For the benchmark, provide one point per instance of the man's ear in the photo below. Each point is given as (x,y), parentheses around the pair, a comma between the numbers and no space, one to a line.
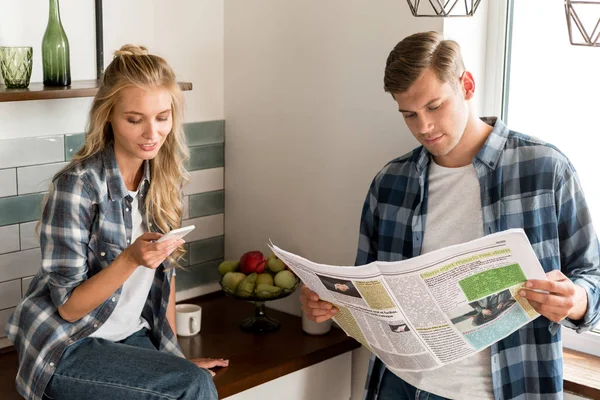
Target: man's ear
(467,85)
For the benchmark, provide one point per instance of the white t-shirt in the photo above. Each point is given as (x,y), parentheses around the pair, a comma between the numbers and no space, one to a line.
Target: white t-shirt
(454,216)
(126,318)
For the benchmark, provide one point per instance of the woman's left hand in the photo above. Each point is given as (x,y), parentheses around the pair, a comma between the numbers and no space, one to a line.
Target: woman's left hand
(208,363)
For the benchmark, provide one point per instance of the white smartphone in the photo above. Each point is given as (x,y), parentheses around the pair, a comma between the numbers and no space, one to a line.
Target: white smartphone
(176,233)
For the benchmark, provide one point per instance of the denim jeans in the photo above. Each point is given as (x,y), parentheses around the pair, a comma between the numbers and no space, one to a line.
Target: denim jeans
(394,388)
(132,369)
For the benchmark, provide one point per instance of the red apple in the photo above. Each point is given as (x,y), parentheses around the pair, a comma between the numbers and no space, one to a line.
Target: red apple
(253,261)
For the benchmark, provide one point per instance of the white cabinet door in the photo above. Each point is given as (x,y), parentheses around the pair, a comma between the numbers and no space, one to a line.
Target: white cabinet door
(328,380)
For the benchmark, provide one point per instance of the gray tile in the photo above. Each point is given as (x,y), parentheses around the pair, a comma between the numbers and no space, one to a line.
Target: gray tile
(37,178)
(10,293)
(20,264)
(73,143)
(207,204)
(25,282)
(204,157)
(207,250)
(185,260)
(16,209)
(208,132)
(31,151)
(186,207)
(29,239)
(9,238)
(4,315)
(197,275)
(8,181)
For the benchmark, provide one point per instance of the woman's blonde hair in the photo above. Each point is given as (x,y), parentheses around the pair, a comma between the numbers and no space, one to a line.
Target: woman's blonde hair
(419,52)
(133,66)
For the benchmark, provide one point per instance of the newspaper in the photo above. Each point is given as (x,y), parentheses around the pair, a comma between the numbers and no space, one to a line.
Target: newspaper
(428,311)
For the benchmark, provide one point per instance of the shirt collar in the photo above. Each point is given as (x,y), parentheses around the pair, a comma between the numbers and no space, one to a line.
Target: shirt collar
(116,186)
(489,154)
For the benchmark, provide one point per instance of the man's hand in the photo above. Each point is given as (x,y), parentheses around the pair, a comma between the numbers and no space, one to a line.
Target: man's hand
(486,312)
(315,310)
(564,298)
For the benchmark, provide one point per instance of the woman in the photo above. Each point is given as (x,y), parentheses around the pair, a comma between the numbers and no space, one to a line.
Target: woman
(98,320)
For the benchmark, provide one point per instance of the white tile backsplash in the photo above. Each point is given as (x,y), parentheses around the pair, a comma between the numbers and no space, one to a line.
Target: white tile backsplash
(20,264)
(10,293)
(9,238)
(4,315)
(25,282)
(8,182)
(206,227)
(32,151)
(204,180)
(29,239)
(36,178)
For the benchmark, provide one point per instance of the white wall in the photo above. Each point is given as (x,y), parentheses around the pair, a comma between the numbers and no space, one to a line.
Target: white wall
(308,124)
(471,34)
(189,34)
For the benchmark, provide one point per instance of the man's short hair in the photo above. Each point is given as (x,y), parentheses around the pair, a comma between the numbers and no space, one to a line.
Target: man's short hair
(416,54)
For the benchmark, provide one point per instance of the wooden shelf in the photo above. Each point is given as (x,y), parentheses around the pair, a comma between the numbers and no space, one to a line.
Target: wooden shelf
(37,91)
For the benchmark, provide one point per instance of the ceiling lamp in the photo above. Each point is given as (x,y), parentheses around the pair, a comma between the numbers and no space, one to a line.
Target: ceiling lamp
(583,20)
(443,8)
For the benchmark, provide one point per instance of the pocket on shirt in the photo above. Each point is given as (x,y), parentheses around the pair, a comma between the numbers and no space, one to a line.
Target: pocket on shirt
(536,214)
(102,253)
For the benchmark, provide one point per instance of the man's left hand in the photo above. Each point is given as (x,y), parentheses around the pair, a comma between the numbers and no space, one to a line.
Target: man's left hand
(563,300)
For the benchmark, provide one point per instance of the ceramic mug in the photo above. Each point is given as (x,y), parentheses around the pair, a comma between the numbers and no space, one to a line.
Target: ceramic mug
(188,318)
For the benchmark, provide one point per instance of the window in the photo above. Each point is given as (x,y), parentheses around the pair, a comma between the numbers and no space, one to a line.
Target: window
(550,90)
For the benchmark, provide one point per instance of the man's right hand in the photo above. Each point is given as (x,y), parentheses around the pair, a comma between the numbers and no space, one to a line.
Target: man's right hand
(316,310)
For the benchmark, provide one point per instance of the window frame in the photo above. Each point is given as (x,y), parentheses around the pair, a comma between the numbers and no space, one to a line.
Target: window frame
(495,103)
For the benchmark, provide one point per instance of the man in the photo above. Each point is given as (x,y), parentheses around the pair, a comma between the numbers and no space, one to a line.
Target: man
(470,178)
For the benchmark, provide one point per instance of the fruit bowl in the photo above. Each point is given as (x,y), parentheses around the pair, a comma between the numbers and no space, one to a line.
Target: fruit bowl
(264,284)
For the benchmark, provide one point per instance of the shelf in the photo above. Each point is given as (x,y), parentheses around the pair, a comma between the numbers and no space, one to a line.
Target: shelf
(37,91)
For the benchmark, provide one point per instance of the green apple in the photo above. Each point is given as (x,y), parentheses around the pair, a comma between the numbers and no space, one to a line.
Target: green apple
(231,280)
(264,279)
(228,266)
(285,279)
(275,265)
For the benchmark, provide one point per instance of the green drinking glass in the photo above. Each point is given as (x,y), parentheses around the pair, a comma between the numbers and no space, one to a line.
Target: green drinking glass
(15,64)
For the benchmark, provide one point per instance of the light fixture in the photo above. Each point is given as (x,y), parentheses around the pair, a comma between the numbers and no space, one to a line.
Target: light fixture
(583,21)
(443,8)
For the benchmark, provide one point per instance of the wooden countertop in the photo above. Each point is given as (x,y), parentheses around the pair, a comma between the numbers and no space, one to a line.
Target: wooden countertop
(253,359)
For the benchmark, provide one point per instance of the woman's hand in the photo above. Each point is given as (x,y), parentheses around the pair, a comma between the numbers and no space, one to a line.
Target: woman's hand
(208,363)
(145,251)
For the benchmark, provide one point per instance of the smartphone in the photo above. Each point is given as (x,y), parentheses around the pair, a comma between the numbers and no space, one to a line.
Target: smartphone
(176,233)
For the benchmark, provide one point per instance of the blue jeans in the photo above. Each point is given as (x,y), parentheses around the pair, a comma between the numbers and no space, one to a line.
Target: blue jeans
(133,369)
(394,388)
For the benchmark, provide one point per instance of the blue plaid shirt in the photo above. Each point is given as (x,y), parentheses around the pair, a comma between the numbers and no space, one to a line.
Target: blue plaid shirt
(86,223)
(525,183)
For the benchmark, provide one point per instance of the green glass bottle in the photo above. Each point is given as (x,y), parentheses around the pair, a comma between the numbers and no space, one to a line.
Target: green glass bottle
(55,50)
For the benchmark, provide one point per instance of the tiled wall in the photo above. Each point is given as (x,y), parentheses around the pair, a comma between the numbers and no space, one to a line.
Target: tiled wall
(26,168)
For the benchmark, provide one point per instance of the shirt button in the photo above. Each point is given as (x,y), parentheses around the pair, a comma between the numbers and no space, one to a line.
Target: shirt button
(128,241)
(52,364)
(102,254)
(95,325)
(113,299)
(127,209)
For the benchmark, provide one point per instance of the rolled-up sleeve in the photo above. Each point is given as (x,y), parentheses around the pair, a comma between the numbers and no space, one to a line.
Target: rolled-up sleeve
(579,249)
(64,236)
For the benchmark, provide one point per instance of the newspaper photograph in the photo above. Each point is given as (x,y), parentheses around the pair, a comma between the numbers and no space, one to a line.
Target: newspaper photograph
(428,311)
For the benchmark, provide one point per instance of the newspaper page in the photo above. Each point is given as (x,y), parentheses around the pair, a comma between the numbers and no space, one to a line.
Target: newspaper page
(428,311)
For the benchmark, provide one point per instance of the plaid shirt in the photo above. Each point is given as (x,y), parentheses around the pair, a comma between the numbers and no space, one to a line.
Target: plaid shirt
(85,226)
(525,183)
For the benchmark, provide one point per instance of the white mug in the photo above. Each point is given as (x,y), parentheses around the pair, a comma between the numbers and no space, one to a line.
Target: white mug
(315,328)
(188,319)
